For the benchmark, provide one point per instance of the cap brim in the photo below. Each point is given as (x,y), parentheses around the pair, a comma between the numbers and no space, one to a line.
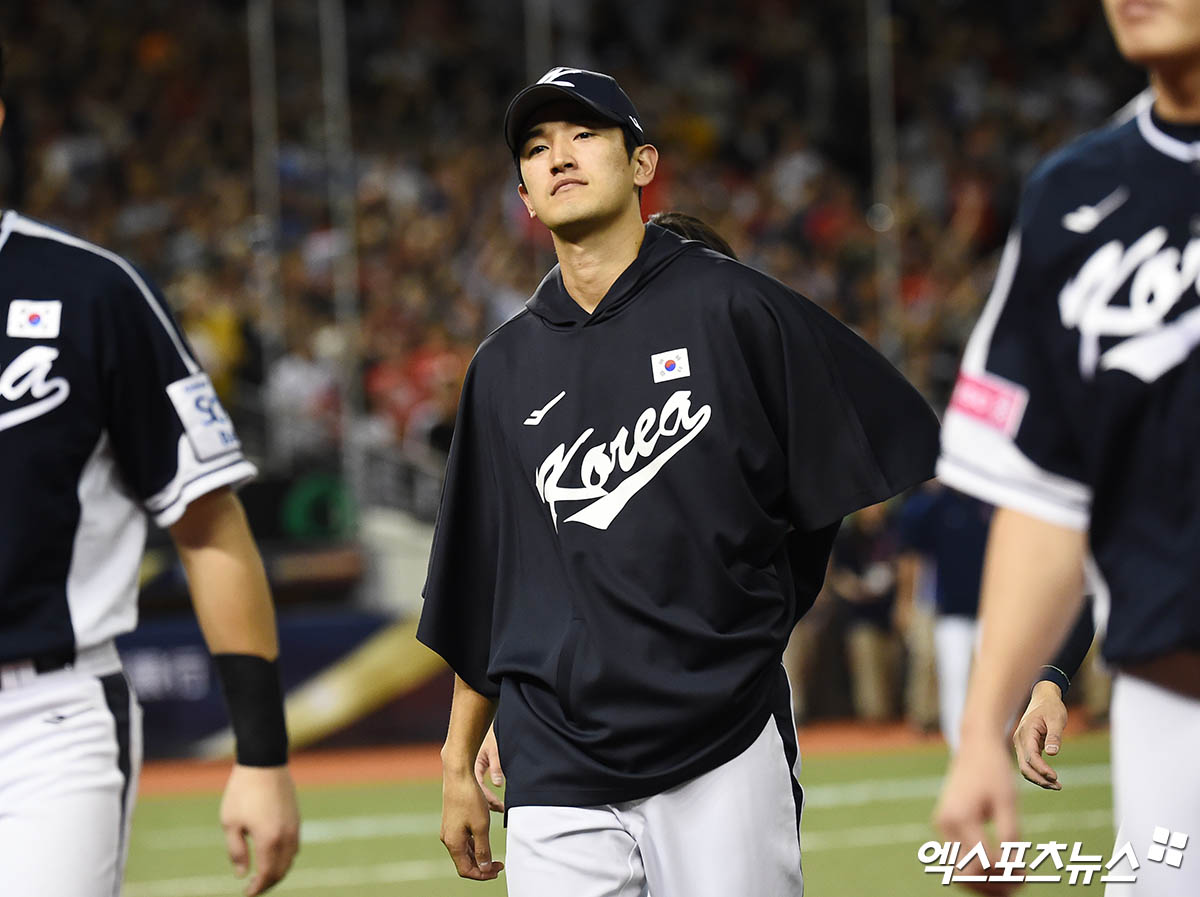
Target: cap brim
(532,98)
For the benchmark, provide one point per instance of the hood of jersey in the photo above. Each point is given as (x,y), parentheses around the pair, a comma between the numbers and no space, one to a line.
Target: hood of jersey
(553,304)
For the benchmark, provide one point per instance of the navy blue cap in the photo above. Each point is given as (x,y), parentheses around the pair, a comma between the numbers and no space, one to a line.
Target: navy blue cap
(599,92)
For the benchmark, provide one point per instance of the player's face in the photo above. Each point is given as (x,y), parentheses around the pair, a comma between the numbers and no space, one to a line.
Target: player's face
(577,172)
(1154,32)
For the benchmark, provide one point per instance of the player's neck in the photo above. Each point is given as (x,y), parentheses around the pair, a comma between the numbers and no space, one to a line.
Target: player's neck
(1177,91)
(591,262)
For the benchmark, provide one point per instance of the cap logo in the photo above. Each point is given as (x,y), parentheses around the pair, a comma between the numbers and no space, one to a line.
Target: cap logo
(553,76)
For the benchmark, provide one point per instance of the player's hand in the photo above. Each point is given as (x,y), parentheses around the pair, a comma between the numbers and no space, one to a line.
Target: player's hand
(1041,728)
(979,788)
(259,807)
(465,824)
(489,759)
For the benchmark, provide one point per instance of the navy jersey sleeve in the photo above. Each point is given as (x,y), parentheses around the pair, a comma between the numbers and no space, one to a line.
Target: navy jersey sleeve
(456,620)
(172,439)
(1008,436)
(854,431)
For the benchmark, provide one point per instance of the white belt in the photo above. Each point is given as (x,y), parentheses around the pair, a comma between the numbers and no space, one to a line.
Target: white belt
(97,660)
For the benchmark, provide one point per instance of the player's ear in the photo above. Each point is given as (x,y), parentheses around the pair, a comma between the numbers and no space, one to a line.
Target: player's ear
(524,194)
(645,164)
(1,113)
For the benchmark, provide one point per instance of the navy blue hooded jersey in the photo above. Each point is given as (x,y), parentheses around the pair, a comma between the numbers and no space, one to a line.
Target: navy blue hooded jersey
(1078,393)
(105,418)
(638,505)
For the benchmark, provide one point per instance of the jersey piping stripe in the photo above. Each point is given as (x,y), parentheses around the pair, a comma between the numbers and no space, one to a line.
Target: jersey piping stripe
(1164,143)
(1005,492)
(975,355)
(29,228)
(161,508)
(6,225)
(117,697)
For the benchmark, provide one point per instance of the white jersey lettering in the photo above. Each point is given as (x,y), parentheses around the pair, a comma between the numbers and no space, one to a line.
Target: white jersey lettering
(27,375)
(624,450)
(1160,275)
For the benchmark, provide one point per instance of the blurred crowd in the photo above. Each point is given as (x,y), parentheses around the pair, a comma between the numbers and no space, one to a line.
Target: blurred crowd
(129,123)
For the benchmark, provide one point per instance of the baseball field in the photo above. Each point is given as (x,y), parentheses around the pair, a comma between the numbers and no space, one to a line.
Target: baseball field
(371,821)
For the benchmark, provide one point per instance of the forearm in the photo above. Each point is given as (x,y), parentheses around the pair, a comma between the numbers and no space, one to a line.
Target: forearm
(470,715)
(1032,591)
(1066,663)
(226,578)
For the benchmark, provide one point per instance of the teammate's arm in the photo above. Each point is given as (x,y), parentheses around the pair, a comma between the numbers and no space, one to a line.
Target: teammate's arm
(1032,590)
(465,818)
(487,765)
(233,605)
(1041,727)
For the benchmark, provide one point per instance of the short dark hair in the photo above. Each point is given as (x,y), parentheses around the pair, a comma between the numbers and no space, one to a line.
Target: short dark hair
(1,65)
(692,228)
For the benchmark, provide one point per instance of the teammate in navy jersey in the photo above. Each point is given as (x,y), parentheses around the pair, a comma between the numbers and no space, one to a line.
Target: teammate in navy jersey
(1075,414)
(648,469)
(105,419)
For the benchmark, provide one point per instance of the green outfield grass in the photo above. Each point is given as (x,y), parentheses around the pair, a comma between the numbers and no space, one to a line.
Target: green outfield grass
(866,816)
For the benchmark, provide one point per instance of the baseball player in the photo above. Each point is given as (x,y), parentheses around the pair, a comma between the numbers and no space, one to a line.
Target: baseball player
(1075,414)
(609,565)
(105,419)
(948,530)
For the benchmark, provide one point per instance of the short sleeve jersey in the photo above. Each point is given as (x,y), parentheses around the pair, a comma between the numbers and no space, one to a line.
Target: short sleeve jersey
(1076,400)
(105,419)
(638,505)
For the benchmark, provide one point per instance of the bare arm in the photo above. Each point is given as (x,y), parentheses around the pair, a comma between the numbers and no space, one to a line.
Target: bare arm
(1030,596)
(233,605)
(226,576)
(465,819)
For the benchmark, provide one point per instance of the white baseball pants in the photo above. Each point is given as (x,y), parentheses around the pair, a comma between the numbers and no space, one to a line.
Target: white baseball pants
(955,638)
(1156,786)
(731,831)
(70,753)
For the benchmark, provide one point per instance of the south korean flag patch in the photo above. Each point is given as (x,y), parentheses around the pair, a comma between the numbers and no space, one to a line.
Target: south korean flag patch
(34,319)
(671,365)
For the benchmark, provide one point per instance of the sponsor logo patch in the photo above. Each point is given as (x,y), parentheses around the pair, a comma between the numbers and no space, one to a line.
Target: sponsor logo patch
(208,427)
(991,400)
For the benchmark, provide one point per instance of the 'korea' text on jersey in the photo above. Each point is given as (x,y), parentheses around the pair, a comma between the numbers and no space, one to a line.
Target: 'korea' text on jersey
(1079,392)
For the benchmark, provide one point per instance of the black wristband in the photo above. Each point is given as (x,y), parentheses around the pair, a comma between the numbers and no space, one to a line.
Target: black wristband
(1053,674)
(255,701)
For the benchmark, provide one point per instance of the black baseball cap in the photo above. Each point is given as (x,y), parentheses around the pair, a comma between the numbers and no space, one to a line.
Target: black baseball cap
(598,92)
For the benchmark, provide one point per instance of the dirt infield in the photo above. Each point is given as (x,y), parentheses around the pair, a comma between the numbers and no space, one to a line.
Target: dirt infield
(411,762)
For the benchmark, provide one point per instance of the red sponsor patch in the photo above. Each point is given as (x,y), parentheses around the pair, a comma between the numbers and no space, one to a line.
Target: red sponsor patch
(990,400)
